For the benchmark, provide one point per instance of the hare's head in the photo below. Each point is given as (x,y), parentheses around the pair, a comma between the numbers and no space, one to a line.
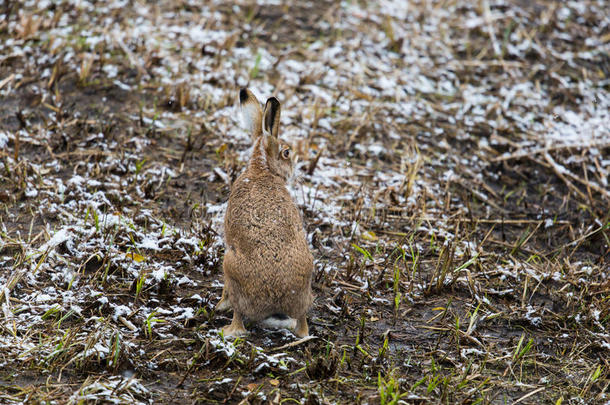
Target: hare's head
(269,151)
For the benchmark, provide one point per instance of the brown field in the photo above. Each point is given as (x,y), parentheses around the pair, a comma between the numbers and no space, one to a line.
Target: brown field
(453,179)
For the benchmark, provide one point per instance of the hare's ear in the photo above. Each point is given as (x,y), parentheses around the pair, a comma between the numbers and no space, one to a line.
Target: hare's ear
(271,117)
(251,112)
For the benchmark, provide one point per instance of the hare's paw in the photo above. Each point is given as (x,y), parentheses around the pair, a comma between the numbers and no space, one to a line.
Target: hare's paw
(301,329)
(233,330)
(224,304)
(236,328)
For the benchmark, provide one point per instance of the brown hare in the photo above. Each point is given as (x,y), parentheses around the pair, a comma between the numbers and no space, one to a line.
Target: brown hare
(267,264)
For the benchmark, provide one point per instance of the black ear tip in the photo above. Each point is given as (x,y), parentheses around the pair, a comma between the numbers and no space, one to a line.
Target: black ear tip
(273,101)
(243,95)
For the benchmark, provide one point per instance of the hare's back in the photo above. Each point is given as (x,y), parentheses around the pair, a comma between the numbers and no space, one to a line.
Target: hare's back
(262,212)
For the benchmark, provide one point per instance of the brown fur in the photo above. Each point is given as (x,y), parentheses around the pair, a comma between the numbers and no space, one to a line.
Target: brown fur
(267,264)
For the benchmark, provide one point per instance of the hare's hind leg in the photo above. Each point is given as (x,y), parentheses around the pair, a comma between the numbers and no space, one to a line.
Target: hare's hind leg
(236,328)
(301,329)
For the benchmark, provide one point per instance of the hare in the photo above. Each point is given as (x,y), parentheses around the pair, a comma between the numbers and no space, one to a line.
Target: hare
(267,265)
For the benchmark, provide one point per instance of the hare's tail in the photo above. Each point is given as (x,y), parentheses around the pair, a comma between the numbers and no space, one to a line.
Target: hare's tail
(279,321)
